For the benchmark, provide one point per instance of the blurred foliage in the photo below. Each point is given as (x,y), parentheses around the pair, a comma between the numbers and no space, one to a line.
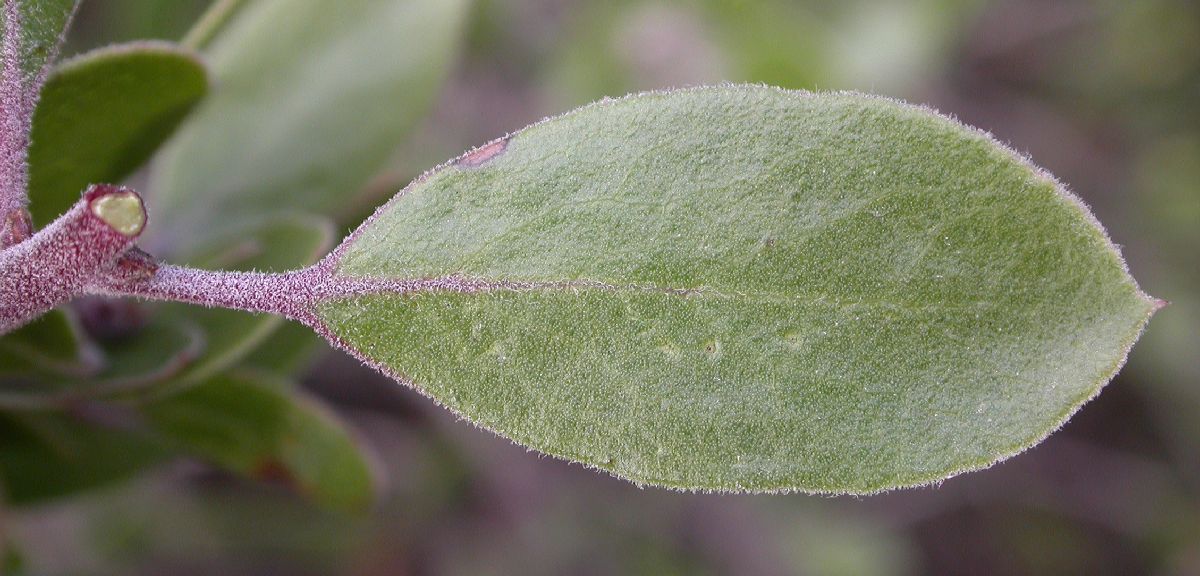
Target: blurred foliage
(1100,92)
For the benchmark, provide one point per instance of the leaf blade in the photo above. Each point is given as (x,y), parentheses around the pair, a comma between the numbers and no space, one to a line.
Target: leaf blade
(866,271)
(50,455)
(294,80)
(257,427)
(102,115)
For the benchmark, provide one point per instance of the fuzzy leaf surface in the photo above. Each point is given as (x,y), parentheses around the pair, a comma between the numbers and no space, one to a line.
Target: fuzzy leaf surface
(744,288)
(102,115)
(323,91)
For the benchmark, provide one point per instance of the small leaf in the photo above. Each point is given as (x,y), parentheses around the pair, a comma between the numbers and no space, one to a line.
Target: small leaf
(265,430)
(745,288)
(50,455)
(102,114)
(325,91)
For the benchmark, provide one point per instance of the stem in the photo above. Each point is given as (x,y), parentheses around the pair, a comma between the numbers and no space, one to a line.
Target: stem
(289,294)
(210,23)
(54,265)
(14,117)
(19,93)
(293,295)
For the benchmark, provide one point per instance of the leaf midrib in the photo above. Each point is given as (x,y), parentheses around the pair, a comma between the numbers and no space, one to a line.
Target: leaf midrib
(370,286)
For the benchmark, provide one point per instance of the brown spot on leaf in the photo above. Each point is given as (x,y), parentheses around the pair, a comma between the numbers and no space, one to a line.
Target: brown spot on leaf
(712,348)
(484,154)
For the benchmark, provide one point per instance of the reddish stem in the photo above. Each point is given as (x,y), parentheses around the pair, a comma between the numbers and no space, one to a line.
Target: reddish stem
(288,294)
(53,266)
(14,117)
(294,295)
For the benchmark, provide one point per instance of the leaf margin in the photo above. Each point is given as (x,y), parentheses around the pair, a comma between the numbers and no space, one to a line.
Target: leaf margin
(332,263)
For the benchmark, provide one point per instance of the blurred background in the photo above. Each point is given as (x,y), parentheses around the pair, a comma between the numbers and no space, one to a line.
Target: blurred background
(1102,93)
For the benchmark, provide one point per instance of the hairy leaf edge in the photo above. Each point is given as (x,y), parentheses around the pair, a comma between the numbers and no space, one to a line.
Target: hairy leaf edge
(481,154)
(163,47)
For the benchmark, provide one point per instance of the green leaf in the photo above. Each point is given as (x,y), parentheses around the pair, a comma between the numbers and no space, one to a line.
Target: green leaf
(324,91)
(159,351)
(42,23)
(266,430)
(102,115)
(52,343)
(291,349)
(49,455)
(746,288)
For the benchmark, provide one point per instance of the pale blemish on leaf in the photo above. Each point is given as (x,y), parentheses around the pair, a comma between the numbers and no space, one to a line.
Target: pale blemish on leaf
(484,154)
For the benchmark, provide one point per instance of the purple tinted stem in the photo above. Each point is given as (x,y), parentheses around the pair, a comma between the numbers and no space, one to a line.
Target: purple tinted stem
(288,294)
(15,115)
(54,265)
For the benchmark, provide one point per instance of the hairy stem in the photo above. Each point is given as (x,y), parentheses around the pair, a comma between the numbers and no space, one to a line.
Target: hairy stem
(20,87)
(288,294)
(294,295)
(14,118)
(54,265)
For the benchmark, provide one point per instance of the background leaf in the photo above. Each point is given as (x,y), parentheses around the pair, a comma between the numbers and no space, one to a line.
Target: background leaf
(48,455)
(293,81)
(624,46)
(158,350)
(264,429)
(744,288)
(52,343)
(102,114)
